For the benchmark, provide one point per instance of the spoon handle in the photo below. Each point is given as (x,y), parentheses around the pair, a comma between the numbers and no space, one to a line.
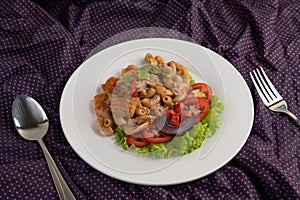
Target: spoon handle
(61,186)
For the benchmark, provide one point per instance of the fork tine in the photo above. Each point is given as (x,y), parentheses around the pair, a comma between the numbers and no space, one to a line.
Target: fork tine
(260,93)
(261,87)
(273,89)
(263,79)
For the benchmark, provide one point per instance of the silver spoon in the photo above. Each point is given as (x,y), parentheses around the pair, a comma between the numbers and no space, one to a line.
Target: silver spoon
(32,124)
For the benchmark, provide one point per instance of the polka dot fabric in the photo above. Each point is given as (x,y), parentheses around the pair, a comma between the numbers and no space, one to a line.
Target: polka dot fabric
(43,42)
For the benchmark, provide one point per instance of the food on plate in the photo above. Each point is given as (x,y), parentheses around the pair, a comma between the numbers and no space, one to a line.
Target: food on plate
(157,109)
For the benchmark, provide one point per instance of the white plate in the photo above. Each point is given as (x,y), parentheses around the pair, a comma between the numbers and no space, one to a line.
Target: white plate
(104,155)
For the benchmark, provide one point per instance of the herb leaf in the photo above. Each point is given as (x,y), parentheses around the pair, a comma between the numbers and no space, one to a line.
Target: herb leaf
(157,71)
(143,72)
(125,78)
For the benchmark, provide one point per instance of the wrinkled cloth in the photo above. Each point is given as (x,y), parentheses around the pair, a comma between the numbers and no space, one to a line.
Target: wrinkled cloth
(43,42)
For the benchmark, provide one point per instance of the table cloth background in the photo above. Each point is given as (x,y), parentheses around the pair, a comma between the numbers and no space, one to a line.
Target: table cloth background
(42,42)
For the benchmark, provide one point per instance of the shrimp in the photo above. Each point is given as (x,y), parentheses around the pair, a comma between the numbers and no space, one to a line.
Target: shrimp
(101,103)
(105,121)
(110,84)
(129,68)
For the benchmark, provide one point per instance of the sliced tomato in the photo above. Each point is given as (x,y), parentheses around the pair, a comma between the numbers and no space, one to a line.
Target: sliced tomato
(203,89)
(151,137)
(203,105)
(137,141)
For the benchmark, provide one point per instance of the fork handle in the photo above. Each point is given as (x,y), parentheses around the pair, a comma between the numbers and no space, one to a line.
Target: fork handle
(293,116)
(282,107)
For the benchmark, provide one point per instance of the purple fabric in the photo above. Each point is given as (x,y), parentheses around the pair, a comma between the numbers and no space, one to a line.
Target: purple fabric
(43,42)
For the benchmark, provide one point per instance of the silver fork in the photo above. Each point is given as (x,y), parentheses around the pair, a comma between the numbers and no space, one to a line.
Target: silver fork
(269,95)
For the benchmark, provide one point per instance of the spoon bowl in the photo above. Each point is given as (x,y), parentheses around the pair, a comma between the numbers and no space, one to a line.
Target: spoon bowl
(29,117)
(32,123)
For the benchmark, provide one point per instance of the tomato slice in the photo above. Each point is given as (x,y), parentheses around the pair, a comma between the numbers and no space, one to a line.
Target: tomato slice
(203,88)
(151,137)
(137,141)
(203,105)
